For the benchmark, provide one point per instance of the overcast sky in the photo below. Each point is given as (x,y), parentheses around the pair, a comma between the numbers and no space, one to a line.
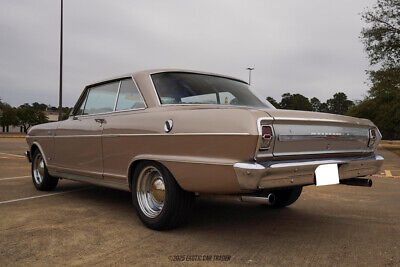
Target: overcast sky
(307,47)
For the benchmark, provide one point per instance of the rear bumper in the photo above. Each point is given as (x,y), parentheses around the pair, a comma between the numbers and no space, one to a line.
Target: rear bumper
(275,174)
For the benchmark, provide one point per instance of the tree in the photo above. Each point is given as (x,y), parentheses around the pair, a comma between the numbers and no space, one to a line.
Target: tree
(28,116)
(296,102)
(383,104)
(38,106)
(339,104)
(8,115)
(273,102)
(316,104)
(381,36)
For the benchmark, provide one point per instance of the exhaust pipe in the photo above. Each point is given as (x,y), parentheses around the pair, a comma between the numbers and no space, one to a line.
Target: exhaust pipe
(268,200)
(357,182)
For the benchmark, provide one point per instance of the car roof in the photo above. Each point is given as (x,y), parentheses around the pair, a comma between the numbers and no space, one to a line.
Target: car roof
(153,71)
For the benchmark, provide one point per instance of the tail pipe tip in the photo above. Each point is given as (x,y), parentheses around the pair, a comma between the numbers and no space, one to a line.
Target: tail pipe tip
(357,182)
(268,200)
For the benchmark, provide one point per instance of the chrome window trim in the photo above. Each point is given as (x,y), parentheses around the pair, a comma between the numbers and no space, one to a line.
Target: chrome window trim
(117,95)
(110,112)
(114,111)
(85,101)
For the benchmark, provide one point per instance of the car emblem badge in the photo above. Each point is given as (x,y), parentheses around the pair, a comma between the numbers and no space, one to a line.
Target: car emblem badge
(168,126)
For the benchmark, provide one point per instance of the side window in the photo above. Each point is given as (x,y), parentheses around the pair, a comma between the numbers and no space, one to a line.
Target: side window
(129,96)
(101,98)
(79,111)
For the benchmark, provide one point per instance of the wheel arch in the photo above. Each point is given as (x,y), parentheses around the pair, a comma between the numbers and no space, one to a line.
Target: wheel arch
(36,146)
(137,160)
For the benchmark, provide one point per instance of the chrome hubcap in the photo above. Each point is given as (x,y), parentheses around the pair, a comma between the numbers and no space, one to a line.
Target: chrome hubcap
(38,169)
(150,191)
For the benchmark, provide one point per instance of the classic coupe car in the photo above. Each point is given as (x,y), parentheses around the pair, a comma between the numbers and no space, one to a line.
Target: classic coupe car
(169,135)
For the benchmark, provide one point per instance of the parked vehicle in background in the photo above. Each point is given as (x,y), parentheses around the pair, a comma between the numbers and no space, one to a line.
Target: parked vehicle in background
(165,135)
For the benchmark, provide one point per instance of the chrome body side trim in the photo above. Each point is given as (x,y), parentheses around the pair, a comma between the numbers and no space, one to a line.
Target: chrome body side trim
(150,134)
(91,180)
(279,174)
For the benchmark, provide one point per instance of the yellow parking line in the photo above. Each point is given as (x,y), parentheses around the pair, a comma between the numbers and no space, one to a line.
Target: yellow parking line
(388,173)
(12,155)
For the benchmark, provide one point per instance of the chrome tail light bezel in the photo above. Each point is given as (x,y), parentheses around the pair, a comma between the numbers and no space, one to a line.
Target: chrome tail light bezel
(266,138)
(372,137)
(265,150)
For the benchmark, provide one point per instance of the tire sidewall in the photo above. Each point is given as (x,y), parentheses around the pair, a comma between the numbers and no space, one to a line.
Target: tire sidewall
(162,217)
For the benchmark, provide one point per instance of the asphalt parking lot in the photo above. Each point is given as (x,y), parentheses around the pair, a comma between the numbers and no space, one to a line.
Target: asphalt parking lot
(79,224)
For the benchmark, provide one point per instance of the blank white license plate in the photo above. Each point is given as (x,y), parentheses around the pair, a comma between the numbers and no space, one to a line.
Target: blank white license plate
(327,174)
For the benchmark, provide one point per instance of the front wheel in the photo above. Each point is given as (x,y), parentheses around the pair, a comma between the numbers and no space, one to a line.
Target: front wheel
(159,201)
(42,180)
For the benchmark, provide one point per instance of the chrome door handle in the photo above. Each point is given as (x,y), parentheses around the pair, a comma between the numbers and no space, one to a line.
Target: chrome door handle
(100,121)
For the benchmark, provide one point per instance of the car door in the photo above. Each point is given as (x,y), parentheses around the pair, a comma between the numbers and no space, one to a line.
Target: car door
(78,140)
(122,132)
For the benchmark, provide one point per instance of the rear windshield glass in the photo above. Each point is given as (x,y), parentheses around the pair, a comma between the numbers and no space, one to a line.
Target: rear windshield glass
(193,88)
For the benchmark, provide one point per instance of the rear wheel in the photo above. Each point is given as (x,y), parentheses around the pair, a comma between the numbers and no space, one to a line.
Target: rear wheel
(41,178)
(286,197)
(158,199)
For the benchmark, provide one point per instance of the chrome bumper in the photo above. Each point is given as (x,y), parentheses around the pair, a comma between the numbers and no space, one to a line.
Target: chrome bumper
(275,174)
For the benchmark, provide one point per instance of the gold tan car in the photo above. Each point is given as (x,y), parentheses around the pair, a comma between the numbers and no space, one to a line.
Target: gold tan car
(168,135)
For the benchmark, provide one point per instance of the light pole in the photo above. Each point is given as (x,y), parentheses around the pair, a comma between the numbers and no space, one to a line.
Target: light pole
(250,69)
(61,64)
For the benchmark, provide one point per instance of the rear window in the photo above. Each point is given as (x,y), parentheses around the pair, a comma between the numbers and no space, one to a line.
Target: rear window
(192,88)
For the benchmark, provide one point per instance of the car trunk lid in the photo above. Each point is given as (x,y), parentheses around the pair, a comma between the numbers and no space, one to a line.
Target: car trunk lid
(300,133)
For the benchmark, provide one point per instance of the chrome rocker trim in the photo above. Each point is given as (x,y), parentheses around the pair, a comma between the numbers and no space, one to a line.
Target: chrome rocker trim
(275,174)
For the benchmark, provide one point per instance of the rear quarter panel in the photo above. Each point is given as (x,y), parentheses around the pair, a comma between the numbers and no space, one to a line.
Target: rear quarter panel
(199,151)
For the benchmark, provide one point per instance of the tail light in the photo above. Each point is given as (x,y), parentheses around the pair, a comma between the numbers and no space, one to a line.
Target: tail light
(266,136)
(372,137)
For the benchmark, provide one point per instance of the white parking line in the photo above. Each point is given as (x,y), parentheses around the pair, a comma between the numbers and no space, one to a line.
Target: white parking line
(47,195)
(15,155)
(11,178)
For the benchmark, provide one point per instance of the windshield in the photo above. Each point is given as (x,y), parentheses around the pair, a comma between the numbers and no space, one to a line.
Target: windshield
(193,88)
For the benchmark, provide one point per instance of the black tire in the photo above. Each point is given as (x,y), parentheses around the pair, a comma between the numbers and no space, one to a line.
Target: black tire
(286,197)
(46,182)
(177,203)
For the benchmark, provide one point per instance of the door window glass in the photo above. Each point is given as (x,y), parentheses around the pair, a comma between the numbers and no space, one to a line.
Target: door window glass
(129,96)
(101,98)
